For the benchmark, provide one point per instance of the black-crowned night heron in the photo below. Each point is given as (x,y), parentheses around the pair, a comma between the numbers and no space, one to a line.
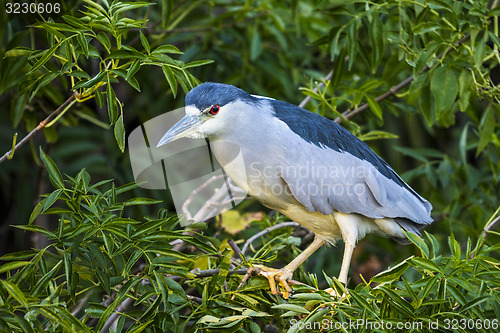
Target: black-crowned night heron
(305,166)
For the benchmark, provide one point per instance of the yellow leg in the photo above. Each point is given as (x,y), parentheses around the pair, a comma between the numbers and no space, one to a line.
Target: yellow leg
(346,262)
(283,275)
(348,225)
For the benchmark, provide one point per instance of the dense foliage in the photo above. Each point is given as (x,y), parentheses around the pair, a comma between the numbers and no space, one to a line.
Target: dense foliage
(98,253)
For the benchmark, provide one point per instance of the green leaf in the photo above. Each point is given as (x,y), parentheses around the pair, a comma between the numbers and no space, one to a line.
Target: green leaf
(338,70)
(377,40)
(144,42)
(41,82)
(419,242)
(169,75)
(17,109)
(207,319)
(12,265)
(122,7)
(171,49)
(307,297)
(80,73)
(42,284)
(392,274)
(15,292)
(480,50)
(103,38)
(54,173)
(134,83)
(18,52)
(90,83)
(352,39)
(36,228)
(112,103)
(120,133)
(141,201)
(401,305)
(52,29)
(76,22)
(197,63)
(291,307)
(99,97)
(425,263)
(166,12)
(444,87)
(96,6)
(37,211)
(255,44)
(51,199)
(133,69)
(126,54)
(465,82)
(486,129)
(83,44)
(374,106)
(68,271)
(45,57)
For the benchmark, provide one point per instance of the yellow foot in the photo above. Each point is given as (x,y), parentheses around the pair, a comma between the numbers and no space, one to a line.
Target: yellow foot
(273,275)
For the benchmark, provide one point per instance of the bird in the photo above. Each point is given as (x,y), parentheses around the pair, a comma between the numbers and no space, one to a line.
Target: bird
(304,165)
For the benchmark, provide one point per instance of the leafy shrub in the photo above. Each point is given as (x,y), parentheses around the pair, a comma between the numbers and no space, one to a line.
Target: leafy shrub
(104,268)
(423,71)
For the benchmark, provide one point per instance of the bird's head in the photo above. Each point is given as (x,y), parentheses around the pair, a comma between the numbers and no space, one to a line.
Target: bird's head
(211,108)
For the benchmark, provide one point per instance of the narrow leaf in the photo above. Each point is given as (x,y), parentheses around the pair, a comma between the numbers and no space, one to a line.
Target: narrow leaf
(197,63)
(144,42)
(486,129)
(120,133)
(15,292)
(169,75)
(54,173)
(46,56)
(167,49)
(112,104)
(444,87)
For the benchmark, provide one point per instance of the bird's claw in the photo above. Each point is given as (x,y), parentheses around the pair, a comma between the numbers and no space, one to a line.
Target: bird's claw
(282,276)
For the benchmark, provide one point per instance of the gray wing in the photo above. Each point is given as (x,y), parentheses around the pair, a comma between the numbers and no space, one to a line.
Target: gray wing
(325,180)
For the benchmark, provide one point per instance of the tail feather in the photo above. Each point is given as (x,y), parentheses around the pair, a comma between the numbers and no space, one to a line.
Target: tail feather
(409,226)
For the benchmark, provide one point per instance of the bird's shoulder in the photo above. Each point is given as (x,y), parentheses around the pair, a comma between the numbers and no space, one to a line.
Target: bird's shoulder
(324,132)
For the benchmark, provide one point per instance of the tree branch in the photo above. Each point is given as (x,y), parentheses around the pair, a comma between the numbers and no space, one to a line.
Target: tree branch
(352,113)
(321,84)
(42,124)
(266,231)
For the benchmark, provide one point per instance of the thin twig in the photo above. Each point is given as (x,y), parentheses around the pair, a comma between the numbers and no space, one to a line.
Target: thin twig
(249,272)
(235,248)
(320,85)
(489,226)
(265,231)
(212,272)
(42,124)
(116,314)
(194,299)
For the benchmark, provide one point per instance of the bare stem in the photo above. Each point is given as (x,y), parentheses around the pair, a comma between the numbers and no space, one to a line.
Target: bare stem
(321,84)
(266,231)
(42,124)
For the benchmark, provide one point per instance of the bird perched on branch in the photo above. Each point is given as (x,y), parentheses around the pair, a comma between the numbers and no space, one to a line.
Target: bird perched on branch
(306,166)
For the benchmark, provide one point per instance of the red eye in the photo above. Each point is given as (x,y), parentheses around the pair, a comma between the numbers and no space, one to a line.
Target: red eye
(215,109)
